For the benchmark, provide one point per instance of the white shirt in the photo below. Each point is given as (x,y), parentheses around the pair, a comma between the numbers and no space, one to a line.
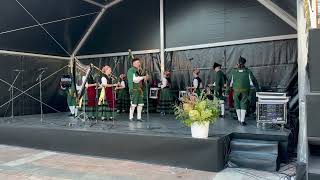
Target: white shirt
(164,83)
(137,79)
(195,83)
(123,84)
(104,81)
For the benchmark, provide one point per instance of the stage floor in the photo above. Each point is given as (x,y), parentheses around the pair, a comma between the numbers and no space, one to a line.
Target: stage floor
(162,140)
(157,125)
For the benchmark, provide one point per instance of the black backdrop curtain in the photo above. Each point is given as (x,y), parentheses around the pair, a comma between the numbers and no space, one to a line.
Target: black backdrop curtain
(273,63)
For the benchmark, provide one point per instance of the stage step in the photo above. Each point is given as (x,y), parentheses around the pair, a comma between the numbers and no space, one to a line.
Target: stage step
(254,154)
(314,167)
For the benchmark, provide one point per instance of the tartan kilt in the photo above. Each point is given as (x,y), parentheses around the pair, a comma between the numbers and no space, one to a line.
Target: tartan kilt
(87,106)
(123,100)
(104,110)
(166,101)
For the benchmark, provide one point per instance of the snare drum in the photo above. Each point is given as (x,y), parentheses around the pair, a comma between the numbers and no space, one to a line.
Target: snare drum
(154,93)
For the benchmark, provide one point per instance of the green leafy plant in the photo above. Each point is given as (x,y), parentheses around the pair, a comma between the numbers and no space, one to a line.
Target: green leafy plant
(197,109)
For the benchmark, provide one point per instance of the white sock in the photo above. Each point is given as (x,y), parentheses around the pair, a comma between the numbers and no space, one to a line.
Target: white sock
(239,114)
(222,107)
(139,111)
(243,114)
(132,108)
(72,109)
(76,111)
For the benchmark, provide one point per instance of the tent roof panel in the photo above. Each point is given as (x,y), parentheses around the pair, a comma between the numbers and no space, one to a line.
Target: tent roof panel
(33,40)
(13,16)
(50,10)
(129,24)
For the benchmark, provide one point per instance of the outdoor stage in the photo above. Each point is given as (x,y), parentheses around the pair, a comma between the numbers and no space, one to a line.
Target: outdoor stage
(162,140)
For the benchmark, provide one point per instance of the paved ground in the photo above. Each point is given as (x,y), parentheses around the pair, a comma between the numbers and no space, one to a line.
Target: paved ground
(30,164)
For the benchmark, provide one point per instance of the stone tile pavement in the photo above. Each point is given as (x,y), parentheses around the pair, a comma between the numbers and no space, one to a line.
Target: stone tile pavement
(18,163)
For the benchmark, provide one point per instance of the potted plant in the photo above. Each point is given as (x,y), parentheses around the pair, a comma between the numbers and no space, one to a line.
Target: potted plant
(197,113)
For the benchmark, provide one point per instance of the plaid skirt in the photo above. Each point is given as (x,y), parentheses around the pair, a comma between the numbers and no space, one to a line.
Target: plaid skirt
(166,101)
(123,100)
(107,107)
(89,103)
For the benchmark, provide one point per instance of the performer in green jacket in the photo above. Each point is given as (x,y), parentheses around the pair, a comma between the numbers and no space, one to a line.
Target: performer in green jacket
(241,80)
(136,86)
(219,84)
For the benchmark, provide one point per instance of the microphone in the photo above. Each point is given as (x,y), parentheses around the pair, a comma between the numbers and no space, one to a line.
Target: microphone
(42,69)
(18,70)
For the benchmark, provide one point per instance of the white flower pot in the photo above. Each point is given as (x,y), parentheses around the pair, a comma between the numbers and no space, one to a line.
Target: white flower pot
(200,130)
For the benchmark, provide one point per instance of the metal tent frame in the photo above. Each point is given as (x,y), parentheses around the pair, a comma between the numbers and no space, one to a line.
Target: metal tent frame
(297,23)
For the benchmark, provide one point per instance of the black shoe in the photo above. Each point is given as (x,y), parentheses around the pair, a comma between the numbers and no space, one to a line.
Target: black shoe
(71,114)
(243,123)
(131,120)
(139,120)
(222,116)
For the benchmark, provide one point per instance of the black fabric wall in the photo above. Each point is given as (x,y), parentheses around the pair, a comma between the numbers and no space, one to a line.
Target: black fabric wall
(273,63)
(24,105)
(121,64)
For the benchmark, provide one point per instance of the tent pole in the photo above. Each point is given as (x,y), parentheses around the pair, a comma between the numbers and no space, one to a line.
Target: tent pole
(93,25)
(162,50)
(303,86)
(282,14)
(94,3)
(17,53)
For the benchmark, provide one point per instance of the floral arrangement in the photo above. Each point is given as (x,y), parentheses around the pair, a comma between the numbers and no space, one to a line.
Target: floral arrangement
(197,109)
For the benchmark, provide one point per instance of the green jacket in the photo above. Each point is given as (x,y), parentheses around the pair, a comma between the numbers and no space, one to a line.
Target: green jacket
(131,84)
(220,80)
(241,80)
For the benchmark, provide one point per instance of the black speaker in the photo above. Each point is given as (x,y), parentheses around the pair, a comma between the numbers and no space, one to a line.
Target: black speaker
(314,59)
(313,117)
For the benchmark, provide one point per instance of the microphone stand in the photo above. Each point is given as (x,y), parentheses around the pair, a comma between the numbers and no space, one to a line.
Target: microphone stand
(149,127)
(113,91)
(40,90)
(11,94)
(148,120)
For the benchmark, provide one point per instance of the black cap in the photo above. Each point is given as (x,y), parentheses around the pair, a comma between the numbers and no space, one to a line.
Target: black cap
(215,65)
(242,60)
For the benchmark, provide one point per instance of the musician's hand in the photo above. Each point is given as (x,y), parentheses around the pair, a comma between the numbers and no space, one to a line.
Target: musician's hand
(145,77)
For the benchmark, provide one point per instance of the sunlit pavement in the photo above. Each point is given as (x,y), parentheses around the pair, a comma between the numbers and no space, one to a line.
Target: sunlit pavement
(24,163)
